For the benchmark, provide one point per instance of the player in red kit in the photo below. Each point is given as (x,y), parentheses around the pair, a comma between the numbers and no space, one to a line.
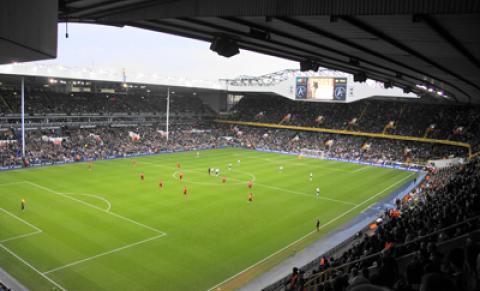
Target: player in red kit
(181,176)
(160,184)
(142,176)
(250,184)
(250,197)
(224,180)
(185,191)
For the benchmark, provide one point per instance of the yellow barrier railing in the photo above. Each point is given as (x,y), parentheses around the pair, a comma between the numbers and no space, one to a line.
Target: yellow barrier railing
(471,156)
(355,133)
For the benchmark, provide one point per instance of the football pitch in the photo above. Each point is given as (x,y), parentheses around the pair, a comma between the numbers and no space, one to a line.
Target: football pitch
(105,229)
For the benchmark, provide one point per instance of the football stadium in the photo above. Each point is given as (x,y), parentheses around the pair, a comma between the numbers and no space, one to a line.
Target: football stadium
(357,170)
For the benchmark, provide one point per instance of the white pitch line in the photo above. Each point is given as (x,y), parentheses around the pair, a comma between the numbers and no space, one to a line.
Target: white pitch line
(12,183)
(21,236)
(109,205)
(368,207)
(103,254)
(299,164)
(33,268)
(37,230)
(361,169)
(305,194)
(264,185)
(20,219)
(98,208)
(310,233)
(44,274)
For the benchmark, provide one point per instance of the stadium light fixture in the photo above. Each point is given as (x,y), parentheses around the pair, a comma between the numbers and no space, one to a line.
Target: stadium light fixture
(354,61)
(259,34)
(333,18)
(225,47)
(360,77)
(309,65)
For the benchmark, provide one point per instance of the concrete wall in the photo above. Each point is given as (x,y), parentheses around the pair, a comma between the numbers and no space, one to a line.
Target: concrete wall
(28,30)
(217,101)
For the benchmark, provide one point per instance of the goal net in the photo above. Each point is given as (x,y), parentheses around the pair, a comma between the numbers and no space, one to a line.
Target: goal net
(312,153)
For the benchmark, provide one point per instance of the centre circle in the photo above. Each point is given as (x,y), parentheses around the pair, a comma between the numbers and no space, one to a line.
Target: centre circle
(201,177)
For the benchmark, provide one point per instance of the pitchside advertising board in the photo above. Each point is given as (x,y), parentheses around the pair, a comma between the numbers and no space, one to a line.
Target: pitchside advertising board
(321,88)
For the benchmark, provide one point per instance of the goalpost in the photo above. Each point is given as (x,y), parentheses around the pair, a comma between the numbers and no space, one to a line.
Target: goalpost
(312,153)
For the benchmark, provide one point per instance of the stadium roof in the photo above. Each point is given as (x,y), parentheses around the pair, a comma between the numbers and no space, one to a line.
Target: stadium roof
(410,43)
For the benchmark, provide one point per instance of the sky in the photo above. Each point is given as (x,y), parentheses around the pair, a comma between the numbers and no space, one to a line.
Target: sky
(143,51)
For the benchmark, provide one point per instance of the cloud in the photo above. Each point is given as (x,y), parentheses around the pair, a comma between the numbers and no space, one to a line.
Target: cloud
(144,51)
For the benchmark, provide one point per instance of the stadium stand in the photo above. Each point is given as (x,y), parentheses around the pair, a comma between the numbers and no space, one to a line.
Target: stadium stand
(41,101)
(116,141)
(110,114)
(438,121)
(431,236)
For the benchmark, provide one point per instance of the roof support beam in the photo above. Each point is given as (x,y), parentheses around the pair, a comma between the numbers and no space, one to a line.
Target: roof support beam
(373,31)
(350,43)
(448,37)
(199,8)
(393,73)
(95,11)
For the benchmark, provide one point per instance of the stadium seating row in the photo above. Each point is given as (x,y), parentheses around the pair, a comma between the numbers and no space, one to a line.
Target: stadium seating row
(433,243)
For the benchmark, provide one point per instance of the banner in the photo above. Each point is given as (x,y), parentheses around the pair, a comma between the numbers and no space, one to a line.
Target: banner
(8,141)
(134,136)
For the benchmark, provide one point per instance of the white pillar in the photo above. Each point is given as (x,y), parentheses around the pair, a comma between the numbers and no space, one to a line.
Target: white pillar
(168,109)
(22,112)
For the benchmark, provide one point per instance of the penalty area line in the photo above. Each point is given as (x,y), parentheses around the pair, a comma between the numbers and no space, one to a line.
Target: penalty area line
(37,230)
(103,254)
(310,233)
(32,267)
(109,205)
(96,207)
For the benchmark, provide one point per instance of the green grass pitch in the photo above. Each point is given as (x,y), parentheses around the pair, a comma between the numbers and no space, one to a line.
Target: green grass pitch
(104,229)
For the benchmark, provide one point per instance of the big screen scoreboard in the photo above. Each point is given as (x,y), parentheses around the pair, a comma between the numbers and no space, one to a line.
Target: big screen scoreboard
(321,88)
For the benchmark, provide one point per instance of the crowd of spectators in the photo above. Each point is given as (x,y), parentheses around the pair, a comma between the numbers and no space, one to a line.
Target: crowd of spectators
(70,145)
(459,123)
(345,147)
(39,101)
(408,118)
(74,144)
(445,206)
